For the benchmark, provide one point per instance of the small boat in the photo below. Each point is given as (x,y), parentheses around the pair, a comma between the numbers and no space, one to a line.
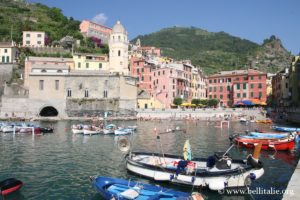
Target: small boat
(114,188)
(109,129)
(46,130)
(256,135)
(77,128)
(285,129)
(91,130)
(9,185)
(215,172)
(266,121)
(242,120)
(267,144)
(123,131)
(8,129)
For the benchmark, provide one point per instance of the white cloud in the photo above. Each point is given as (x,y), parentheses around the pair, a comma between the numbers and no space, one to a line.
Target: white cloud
(100,18)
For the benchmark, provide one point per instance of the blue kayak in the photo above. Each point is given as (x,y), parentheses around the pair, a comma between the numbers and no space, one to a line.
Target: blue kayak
(269,135)
(120,189)
(286,129)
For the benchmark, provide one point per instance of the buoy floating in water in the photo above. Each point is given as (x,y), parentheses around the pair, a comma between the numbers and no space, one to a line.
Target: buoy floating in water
(10,185)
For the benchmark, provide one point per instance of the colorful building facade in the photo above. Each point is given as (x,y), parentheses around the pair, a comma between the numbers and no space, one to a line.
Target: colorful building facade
(84,61)
(91,29)
(233,86)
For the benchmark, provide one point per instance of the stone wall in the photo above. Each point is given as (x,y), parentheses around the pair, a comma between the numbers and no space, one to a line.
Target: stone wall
(91,107)
(25,107)
(203,114)
(50,50)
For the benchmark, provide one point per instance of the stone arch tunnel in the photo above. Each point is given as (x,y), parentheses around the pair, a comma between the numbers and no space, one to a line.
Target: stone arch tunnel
(48,111)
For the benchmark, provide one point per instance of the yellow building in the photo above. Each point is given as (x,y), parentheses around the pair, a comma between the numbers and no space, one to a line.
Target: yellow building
(84,61)
(269,83)
(145,101)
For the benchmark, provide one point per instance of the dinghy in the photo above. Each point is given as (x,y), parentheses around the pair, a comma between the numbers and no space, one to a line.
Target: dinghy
(256,135)
(9,185)
(123,131)
(285,129)
(113,188)
(109,129)
(267,144)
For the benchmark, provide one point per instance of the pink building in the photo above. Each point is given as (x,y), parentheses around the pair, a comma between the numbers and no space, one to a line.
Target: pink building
(141,69)
(232,86)
(164,85)
(91,29)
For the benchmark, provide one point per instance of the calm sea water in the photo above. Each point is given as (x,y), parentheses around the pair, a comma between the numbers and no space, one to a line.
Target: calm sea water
(58,165)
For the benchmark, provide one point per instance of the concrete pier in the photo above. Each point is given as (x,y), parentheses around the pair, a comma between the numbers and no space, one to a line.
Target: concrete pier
(293,188)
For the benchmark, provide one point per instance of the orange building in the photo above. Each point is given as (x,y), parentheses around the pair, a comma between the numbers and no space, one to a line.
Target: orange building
(233,86)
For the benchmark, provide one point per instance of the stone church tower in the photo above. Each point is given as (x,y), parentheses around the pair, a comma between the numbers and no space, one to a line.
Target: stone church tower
(118,47)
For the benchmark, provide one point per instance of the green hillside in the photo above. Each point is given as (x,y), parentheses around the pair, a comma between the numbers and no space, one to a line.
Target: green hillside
(212,51)
(17,16)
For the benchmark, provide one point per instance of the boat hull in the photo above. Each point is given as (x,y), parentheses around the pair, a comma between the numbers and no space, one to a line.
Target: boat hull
(77,131)
(10,185)
(214,180)
(89,132)
(278,145)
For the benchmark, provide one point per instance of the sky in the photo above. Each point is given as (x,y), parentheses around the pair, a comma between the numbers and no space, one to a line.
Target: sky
(254,20)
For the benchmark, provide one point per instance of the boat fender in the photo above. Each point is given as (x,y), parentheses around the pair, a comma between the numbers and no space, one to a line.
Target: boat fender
(216,185)
(252,176)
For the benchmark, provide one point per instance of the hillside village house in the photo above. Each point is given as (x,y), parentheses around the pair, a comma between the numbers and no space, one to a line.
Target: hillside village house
(91,29)
(8,52)
(34,38)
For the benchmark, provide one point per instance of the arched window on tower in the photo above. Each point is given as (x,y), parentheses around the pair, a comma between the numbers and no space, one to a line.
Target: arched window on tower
(119,53)
(119,38)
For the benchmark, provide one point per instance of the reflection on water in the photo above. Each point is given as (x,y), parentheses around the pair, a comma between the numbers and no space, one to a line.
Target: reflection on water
(57,166)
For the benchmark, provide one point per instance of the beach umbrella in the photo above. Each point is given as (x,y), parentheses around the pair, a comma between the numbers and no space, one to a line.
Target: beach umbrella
(247,103)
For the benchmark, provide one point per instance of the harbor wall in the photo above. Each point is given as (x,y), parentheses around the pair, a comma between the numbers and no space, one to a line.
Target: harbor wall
(203,114)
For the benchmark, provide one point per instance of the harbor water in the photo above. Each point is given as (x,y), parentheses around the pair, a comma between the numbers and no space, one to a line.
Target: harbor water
(58,165)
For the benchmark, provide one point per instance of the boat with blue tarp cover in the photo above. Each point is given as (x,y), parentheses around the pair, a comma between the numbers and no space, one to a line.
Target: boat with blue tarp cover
(285,129)
(114,188)
(256,135)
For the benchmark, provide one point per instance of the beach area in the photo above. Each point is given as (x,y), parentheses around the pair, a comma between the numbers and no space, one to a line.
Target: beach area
(203,114)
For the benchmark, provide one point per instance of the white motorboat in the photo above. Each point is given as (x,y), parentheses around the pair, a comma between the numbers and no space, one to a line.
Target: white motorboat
(8,129)
(109,129)
(215,172)
(123,131)
(92,130)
